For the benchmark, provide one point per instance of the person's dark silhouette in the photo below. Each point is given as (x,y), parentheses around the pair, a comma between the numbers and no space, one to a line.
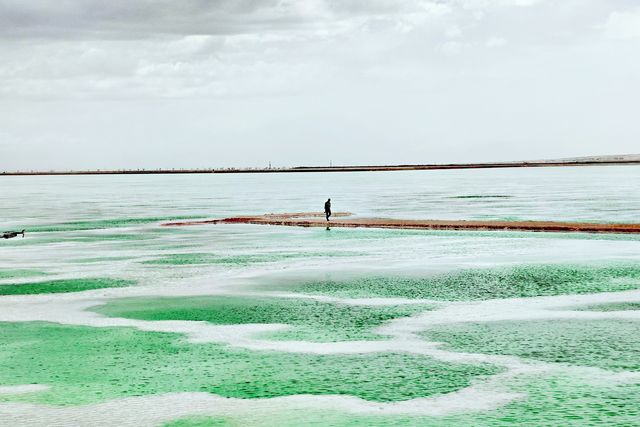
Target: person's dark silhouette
(12,234)
(327,208)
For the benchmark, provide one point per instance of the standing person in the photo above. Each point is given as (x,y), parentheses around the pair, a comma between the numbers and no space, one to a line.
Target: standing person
(327,208)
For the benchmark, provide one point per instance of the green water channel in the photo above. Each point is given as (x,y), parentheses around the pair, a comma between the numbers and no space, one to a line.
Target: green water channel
(311,320)
(62,286)
(87,365)
(481,284)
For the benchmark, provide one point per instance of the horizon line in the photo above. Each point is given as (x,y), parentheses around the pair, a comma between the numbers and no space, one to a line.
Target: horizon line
(309,169)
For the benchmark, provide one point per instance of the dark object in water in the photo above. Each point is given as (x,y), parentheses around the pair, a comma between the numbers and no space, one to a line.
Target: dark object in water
(12,234)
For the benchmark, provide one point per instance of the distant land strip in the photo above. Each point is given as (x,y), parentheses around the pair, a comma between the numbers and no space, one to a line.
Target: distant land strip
(300,169)
(315,219)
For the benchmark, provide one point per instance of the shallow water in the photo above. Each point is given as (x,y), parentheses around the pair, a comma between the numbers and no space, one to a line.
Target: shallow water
(108,318)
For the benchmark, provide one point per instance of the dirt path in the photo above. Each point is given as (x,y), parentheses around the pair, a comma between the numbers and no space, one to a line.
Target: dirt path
(343,219)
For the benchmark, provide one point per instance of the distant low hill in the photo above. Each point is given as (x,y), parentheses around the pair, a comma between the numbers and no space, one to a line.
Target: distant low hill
(607,158)
(621,159)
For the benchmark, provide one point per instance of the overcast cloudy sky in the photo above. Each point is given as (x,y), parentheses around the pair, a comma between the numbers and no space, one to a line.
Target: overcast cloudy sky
(196,83)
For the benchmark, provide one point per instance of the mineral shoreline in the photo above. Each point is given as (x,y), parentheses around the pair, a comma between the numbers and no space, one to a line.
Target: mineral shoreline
(342,220)
(302,169)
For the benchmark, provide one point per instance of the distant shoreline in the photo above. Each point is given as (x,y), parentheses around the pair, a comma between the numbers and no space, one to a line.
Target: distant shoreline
(302,169)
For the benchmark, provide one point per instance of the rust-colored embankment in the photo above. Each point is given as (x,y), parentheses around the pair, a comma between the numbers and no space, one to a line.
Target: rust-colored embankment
(342,219)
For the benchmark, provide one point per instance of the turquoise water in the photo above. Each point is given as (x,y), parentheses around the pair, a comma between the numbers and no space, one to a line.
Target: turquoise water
(108,318)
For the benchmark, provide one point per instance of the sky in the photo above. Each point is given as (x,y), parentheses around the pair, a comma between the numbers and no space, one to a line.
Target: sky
(94,84)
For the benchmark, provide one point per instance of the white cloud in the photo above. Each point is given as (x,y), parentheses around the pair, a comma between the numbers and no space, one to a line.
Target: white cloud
(379,78)
(623,25)
(453,32)
(487,4)
(495,42)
